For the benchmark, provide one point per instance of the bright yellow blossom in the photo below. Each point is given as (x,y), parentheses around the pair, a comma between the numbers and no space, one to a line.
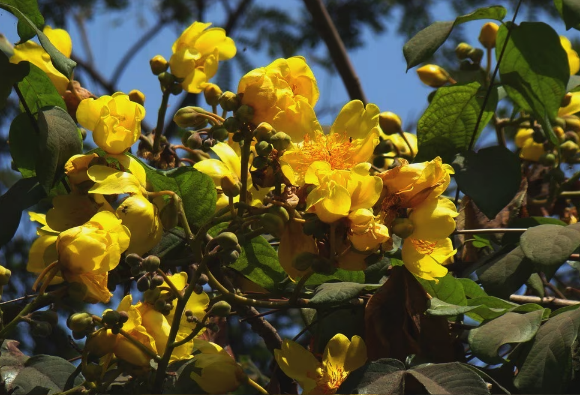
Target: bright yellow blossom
(425,259)
(35,54)
(197,304)
(351,140)
(341,357)
(573,107)
(573,59)
(366,233)
(114,120)
(282,94)
(338,192)
(197,52)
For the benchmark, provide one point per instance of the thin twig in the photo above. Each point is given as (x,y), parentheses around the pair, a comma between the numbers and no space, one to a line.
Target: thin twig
(490,230)
(336,49)
(495,70)
(546,300)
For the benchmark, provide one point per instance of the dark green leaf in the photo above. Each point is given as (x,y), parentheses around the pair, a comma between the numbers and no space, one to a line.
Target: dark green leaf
(471,288)
(449,378)
(549,246)
(475,172)
(448,289)
(11,74)
(503,276)
(570,12)
(12,361)
(353,276)
(259,263)
(172,244)
(24,145)
(545,364)
(447,125)
(383,376)
(23,194)
(196,190)
(529,222)
(534,70)
(496,387)
(44,374)
(424,44)
(346,320)
(374,273)
(30,9)
(335,294)
(39,91)
(439,308)
(535,283)
(59,140)
(60,62)
(510,328)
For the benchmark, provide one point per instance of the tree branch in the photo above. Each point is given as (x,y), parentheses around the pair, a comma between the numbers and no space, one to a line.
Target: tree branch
(544,301)
(326,29)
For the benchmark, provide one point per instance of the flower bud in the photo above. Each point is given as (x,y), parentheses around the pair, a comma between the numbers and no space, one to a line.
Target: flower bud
(220,133)
(226,240)
(156,281)
(80,322)
(264,132)
(227,258)
(559,132)
(40,329)
(230,187)
(548,159)
(4,275)
(281,141)
(221,309)
(280,212)
(229,101)
(390,123)
(566,100)
(260,162)
(158,64)
(169,214)
(212,94)
(111,317)
(151,263)
(190,117)
(137,97)
(476,54)
(263,148)
(433,75)
(571,136)
(244,113)
(133,260)
(123,317)
(143,284)
(175,89)
(569,148)
(272,223)
(462,51)
(488,35)
(231,124)
(194,141)
(403,227)
(166,79)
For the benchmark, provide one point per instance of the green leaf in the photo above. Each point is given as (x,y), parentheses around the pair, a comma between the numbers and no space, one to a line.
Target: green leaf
(498,166)
(59,140)
(447,125)
(346,320)
(549,246)
(545,364)
(172,244)
(24,145)
(353,276)
(196,190)
(440,308)
(383,376)
(510,328)
(570,12)
(23,194)
(39,91)
(529,222)
(60,62)
(259,263)
(336,294)
(12,361)
(11,74)
(448,289)
(449,378)
(535,283)
(30,9)
(506,274)
(374,273)
(471,288)
(44,374)
(424,44)
(534,70)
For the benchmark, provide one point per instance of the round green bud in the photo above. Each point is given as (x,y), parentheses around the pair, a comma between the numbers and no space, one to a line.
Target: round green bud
(547,159)
(263,148)
(212,94)
(143,284)
(158,64)
(40,329)
(231,124)
(280,212)
(281,141)
(462,50)
(230,187)
(390,123)
(133,259)
(244,113)
(221,309)
(260,162)
(194,141)
(160,305)
(123,317)
(220,133)
(111,317)
(272,224)
(226,240)
(229,101)
(166,79)
(80,322)
(207,144)
(264,132)
(190,117)
(151,263)
(238,137)
(175,89)
(156,281)
(476,54)
(403,227)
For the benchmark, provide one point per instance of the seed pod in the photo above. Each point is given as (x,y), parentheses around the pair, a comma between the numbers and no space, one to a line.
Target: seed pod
(281,141)
(244,113)
(151,263)
(221,309)
(229,101)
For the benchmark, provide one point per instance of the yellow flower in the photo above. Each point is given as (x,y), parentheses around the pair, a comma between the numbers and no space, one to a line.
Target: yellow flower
(341,357)
(282,94)
(114,120)
(402,146)
(531,150)
(35,54)
(197,304)
(366,234)
(351,140)
(71,210)
(142,219)
(573,107)
(573,59)
(196,54)
(433,75)
(338,192)
(410,184)
(433,219)
(215,371)
(488,35)
(43,250)
(76,170)
(425,258)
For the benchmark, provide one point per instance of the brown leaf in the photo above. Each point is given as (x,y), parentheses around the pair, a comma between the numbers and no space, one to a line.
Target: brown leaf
(396,324)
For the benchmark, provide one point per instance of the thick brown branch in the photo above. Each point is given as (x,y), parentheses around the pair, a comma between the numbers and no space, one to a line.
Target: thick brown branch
(326,29)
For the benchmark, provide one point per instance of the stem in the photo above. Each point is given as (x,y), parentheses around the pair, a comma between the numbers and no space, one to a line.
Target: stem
(27,109)
(546,300)
(245,158)
(299,286)
(257,386)
(490,230)
(198,327)
(174,289)
(402,134)
(160,120)
(495,70)
(40,301)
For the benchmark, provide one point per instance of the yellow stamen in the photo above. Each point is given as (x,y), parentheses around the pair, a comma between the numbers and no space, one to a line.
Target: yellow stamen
(423,246)
(333,148)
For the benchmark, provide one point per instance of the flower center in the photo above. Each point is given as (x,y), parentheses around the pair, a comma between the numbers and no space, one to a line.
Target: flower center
(331,379)
(332,148)
(423,246)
